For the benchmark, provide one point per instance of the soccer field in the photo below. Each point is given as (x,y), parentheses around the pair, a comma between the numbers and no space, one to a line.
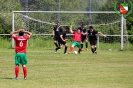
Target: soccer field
(107,69)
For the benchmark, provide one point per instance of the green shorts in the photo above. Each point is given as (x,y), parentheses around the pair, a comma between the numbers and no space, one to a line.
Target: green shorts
(20,58)
(78,44)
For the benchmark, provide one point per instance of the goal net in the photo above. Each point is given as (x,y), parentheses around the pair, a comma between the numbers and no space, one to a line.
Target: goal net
(41,24)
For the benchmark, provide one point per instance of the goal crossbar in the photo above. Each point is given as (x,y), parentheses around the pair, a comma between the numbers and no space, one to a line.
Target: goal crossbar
(64,11)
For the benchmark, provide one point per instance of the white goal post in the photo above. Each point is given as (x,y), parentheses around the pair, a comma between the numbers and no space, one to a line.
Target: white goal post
(71,12)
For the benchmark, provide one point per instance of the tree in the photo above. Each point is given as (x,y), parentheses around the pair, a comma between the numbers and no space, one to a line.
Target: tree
(129,26)
(6,7)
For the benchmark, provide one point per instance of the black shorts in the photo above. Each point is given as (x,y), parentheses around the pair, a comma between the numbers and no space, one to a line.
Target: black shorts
(93,42)
(61,42)
(56,38)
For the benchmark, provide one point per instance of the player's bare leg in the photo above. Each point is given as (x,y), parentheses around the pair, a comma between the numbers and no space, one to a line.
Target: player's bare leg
(92,49)
(95,48)
(86,43)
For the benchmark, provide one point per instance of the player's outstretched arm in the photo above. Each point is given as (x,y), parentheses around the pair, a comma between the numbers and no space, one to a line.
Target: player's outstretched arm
(102,34)
(53,33)
(84,33)
(71,29)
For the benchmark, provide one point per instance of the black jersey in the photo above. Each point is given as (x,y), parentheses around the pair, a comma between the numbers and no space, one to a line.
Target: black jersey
(60,41)
(92,35)
(57,30)
(82,29)
(63,34)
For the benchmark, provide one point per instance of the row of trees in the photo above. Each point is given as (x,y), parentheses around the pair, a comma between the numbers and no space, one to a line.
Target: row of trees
(7,6)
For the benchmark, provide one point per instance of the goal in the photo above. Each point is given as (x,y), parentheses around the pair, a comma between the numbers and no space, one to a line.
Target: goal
(41,23)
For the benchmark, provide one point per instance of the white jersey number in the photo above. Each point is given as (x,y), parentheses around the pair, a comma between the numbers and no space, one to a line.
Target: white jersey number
(21,43)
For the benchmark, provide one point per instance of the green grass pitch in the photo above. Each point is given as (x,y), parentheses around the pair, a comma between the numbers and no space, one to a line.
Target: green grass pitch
(107,69)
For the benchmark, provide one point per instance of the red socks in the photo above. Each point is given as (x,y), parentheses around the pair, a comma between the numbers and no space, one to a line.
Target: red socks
(71,48)
(25,71)
(16,71)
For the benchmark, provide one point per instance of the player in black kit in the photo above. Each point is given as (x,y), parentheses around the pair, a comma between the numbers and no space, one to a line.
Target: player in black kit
(84,37)
(92,34)
(62,41)
(56,33)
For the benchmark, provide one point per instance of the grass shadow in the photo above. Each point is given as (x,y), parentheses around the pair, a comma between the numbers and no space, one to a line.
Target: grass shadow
(8,78)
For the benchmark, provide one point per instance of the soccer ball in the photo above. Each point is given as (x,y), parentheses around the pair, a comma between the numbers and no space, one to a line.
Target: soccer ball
(75,52)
